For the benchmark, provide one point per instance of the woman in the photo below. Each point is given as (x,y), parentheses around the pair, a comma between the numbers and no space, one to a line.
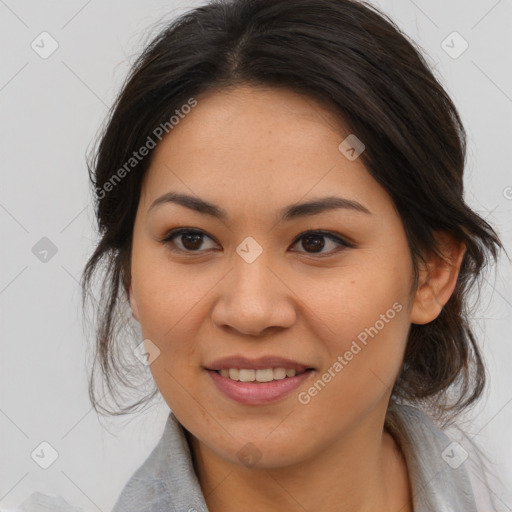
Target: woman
(280,198)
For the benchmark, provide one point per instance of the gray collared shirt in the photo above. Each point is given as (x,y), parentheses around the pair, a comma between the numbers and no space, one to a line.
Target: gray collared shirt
(166,481)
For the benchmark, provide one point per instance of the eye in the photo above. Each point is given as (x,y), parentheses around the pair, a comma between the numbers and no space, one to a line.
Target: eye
(314,242)
(189,239)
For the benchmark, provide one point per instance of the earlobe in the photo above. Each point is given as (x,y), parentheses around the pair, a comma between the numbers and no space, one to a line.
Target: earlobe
(133,304)
(437,280)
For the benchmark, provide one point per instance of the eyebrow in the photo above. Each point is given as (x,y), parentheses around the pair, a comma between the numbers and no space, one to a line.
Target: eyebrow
(288,213)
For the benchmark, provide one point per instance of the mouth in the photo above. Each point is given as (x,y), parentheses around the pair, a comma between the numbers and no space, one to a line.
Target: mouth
(257,382)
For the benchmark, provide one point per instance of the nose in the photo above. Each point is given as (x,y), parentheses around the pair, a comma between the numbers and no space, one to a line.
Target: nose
(253,297)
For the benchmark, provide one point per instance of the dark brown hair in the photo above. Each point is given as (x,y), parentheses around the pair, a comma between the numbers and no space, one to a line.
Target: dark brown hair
(355,61)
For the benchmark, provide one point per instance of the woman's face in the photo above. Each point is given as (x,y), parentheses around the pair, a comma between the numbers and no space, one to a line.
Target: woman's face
(260,284)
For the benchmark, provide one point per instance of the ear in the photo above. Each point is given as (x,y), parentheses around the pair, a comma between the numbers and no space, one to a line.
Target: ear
(437,279)
(133,304)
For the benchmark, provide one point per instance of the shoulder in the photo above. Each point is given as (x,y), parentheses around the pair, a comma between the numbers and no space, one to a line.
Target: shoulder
(489,491)
(166,480)
(39,501)
(444,467)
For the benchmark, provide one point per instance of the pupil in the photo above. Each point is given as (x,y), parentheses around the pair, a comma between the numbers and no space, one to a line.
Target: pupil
(196,240)
(318,242)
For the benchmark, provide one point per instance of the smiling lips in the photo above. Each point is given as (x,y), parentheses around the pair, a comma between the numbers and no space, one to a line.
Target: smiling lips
(257,381)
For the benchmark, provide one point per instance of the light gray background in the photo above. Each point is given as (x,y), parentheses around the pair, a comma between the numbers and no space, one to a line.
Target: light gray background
(51,110)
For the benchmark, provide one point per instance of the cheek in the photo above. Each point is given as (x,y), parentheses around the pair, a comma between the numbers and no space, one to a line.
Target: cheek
(167,293)
(168,302)
(355,298)
(364,321)
(364,359)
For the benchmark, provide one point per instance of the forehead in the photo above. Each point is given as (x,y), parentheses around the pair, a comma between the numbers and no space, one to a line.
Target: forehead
(271,144)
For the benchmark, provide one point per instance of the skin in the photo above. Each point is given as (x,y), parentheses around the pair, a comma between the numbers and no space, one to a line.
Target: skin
(253,151)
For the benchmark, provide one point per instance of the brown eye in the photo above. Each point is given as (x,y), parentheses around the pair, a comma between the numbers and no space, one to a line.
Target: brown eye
(314,242)
(186,240)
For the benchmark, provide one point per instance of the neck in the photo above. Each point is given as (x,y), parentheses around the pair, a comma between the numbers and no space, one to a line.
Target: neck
(362,472)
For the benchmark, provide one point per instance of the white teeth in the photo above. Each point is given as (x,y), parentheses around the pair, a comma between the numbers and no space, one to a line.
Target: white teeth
(279,373)
(264,375)
(246,375)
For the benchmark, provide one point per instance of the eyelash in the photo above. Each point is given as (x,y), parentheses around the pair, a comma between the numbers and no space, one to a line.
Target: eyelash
(175,233)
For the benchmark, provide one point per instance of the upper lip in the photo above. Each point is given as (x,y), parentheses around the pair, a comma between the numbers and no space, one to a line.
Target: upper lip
(260,363)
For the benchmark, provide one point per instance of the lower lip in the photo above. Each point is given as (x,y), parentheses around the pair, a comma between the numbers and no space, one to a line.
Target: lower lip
(257,393)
